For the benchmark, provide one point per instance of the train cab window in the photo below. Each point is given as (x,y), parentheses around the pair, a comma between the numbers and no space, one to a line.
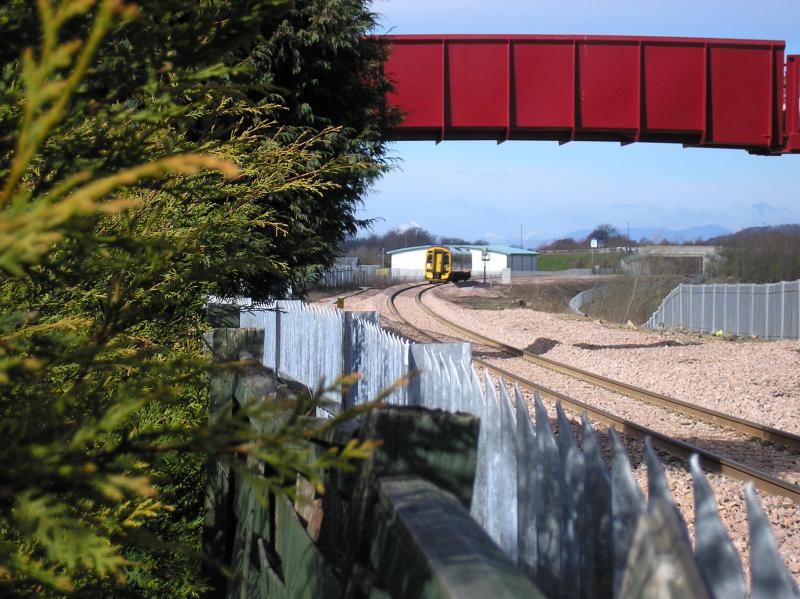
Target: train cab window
(429,259)
(445,260)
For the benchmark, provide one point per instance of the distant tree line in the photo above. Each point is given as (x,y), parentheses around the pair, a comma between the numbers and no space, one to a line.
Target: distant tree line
(370,249)
(607,235)
(753,255)
(765,254)
(761,254)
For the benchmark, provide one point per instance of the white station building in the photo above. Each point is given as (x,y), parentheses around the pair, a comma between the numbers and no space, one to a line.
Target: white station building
(410,262)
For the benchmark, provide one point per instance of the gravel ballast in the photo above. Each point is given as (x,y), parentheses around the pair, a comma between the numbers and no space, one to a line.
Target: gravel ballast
(752,379)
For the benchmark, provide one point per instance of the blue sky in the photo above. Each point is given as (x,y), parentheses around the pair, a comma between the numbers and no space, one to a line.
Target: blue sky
(481,189)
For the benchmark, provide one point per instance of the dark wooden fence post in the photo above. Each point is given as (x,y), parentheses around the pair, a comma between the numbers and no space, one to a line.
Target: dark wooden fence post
(225,345)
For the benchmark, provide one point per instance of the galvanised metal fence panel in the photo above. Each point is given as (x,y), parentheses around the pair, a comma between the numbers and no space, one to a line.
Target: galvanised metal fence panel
(426,387)
(707,306)
(406,275)
(775,311)
(575,528)
(792,307)
(507,485)
(262,318)
(387,361)
(769,311)
(730,308)
(367,275)
(718,297)
(310,343)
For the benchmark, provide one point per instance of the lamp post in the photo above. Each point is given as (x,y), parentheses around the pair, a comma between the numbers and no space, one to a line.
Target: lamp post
(485,260)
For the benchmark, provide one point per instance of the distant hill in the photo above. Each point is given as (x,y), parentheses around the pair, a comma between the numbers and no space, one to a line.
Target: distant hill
(703,232)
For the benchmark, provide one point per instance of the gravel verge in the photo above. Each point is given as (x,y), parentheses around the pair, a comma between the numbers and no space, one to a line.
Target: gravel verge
(690,367)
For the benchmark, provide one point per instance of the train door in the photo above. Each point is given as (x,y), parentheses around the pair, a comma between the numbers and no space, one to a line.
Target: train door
(438,264)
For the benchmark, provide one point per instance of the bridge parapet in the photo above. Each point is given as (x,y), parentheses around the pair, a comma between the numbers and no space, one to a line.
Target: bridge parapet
(722,93)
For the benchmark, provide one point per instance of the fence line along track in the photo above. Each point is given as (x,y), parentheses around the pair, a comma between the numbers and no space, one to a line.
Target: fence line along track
(711,461)
(330,301)
(753,429)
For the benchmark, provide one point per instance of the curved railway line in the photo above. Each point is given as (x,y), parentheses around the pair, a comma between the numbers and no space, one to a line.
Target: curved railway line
(711,461)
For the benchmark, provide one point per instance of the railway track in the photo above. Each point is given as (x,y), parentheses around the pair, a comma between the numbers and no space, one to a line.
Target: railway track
(331,301)
(711,461)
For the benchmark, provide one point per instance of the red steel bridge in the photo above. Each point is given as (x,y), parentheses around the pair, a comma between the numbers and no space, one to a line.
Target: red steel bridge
(709,93)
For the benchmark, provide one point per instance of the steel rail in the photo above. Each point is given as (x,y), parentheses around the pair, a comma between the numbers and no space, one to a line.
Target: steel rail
(711,461)
(332,299)
(753,429)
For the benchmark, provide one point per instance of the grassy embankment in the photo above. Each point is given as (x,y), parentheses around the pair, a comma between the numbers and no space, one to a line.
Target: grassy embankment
(553,262)
(626,298)
(631,298)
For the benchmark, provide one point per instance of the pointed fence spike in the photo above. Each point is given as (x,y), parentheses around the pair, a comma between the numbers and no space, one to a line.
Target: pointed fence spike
(527,498)
(521,406)
(548,509)
(627,506)
(768,574)
(539,410)
(507,474)
(573,530)
(454,394)
(444,383)
(716,557)
(466,389)
(598,555)
(491,423)
(480,496)
(505,404)
(660,563)
(565,438)
(656,478)
(477,393)
(492,409)
(476,381)
(457,391)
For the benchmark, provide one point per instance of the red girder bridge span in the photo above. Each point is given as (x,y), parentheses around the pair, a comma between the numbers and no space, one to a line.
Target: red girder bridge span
(708,93)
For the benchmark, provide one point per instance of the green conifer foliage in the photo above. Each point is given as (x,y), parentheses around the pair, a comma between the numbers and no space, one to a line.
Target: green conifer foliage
(139,166)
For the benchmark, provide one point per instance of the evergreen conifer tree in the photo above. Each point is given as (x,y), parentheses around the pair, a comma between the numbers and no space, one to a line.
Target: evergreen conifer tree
(142,168)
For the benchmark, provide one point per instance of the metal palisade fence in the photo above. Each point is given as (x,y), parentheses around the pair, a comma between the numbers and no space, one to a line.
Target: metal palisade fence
(371,276)
(581,530)
(769,311)
(576,303)
(315,345)
(575,527)
(367,276)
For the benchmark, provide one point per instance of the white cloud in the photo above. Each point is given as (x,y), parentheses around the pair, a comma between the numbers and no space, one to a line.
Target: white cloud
(412,224)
